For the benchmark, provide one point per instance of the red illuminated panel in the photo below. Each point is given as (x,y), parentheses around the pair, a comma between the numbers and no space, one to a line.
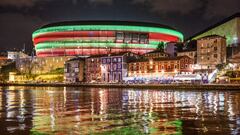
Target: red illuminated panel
(78,34)
(162,37)
(87,52)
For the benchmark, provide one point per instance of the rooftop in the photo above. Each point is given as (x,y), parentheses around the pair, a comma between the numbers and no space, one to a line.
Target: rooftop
(76,58)
(158,59)
(211,36)
(156,51)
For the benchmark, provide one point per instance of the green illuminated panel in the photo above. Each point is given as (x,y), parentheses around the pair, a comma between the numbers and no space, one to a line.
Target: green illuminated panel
(228,30)
(42,46)
(108,27)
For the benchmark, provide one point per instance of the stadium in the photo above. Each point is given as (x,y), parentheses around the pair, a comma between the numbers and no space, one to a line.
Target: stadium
(86,38)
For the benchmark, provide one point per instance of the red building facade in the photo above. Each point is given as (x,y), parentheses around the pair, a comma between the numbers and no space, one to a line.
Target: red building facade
(161,66)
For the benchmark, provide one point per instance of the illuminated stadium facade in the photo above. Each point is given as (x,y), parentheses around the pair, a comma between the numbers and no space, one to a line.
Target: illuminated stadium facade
(229,28)
(86,38)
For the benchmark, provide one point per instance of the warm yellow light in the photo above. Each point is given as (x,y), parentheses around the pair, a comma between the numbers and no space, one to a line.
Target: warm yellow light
(151,62)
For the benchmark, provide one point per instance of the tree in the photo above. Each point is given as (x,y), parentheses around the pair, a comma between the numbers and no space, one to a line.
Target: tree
(160,46)
(191,45)
(28,67)
(220,66)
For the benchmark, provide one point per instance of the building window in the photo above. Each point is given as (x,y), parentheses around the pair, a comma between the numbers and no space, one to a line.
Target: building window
(119,37)
(108,60)
(114,59)
(215,55)
(119,66)
(119,60)
(215,48)
(127,38)
(135,38)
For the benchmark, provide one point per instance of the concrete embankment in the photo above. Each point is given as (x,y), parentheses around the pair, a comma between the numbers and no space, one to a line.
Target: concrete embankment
(136,86)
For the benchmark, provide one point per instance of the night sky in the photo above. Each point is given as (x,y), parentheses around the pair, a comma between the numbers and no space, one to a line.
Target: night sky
(19,18)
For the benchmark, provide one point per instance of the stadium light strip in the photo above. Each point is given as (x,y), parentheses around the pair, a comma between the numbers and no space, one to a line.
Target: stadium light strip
(108,27)
(94,45)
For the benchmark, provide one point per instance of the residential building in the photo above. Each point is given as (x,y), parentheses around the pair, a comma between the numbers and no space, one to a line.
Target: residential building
(114,66)
(93,68)
(160,67)
(74,70)
(211,51)
(108,68)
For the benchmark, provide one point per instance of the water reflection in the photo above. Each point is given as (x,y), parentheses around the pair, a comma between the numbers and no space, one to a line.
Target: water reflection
(25,110)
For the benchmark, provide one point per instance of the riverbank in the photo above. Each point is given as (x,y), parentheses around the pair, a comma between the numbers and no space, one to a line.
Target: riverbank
(137,86)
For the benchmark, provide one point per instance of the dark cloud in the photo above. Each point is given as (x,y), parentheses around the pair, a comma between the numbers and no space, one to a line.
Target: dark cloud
(17,3)
(109,2)
(221,8)
(16,30)
(21,3)
(210,8)
(171,6)
(31,3)
(19,18)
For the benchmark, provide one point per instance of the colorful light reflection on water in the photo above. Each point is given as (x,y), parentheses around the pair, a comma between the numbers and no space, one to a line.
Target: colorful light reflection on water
(29,110)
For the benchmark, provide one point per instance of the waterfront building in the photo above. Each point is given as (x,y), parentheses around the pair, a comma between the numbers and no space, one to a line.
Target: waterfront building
(40,65)
(114,66)
(48,64)
(93,68)
(108,68)
(87,38)
(160,68)
(156,54)
(211,51)
(74,70)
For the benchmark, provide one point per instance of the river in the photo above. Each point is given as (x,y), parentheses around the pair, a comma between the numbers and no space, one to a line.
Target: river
(103,111)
